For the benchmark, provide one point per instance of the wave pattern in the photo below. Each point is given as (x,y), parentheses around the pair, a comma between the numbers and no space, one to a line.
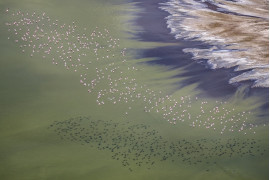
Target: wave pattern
(236,30)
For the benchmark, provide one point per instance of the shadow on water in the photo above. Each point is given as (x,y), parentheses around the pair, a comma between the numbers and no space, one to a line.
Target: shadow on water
(211,82)
(214,83)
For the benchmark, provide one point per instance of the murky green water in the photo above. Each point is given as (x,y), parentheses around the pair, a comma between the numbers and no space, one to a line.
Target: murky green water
(40,140)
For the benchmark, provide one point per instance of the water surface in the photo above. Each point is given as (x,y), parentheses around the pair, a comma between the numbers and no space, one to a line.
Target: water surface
(115,117)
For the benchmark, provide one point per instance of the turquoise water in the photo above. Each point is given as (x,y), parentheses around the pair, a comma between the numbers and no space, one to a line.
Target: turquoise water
(48,114)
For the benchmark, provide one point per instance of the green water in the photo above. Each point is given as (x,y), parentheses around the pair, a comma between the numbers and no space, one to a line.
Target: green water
(35,94)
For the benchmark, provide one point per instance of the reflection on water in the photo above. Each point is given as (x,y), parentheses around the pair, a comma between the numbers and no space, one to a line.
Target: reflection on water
(237,31)
(137,145)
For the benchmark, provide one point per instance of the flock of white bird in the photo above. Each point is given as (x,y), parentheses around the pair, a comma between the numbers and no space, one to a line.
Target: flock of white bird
(104,71)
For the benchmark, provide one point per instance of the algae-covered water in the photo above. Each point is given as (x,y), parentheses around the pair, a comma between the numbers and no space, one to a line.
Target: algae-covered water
(78,103)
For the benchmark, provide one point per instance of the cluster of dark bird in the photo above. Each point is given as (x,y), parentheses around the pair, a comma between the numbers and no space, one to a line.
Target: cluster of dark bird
(97,57)
(138,145)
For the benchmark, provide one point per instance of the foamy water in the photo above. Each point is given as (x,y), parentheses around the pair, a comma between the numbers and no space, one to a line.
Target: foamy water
(236,30)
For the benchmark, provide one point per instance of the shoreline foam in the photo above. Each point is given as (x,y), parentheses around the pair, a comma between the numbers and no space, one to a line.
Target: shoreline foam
(239,37)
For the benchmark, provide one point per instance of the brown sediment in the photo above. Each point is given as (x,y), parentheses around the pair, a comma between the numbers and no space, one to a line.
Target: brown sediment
(214,25)
(237,33)
(244,32)
(257,8)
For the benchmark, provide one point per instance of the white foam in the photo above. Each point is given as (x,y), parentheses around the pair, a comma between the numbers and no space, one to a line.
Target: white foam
(243,47)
